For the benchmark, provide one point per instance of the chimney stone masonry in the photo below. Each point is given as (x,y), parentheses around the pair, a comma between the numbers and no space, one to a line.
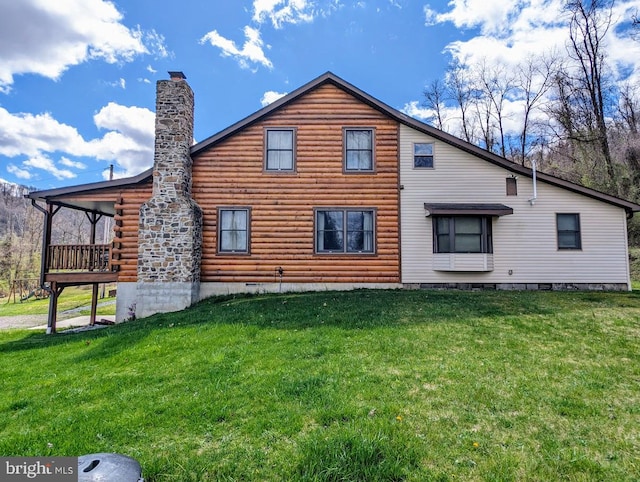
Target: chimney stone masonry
(170,226)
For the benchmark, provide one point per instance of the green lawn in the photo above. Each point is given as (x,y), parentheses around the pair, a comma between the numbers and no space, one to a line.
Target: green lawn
(355,386)
(70,299)
(634,266)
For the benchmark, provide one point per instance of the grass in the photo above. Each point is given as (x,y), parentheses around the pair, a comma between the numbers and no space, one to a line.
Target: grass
(634,266)
(72,298)
(355,386)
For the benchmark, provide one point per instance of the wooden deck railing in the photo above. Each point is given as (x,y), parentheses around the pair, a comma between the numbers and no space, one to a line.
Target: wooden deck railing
(79,257)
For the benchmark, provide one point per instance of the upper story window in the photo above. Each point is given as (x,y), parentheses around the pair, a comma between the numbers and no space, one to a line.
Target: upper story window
(280,149)
(345,230)
(512,186)
(568,226)
(358,150)
(423,154)
(233,230)
(462,234)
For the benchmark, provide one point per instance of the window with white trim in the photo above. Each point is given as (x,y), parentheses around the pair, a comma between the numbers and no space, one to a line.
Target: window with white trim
(279,149)
(462,234)
(423,155)
(233,230)
(358,150)
(344,230)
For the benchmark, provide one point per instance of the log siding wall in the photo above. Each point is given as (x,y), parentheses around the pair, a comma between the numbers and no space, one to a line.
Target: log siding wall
(126,230)
(127,203)
(232,173)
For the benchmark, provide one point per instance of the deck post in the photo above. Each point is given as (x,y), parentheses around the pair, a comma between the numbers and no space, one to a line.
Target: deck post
(53,307)
(94,304)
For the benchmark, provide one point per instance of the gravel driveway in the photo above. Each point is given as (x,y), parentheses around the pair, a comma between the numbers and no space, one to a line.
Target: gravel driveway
(22,321)
(29,321)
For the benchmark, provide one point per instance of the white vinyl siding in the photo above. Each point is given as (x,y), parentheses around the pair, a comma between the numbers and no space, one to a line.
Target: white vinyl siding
(525,242)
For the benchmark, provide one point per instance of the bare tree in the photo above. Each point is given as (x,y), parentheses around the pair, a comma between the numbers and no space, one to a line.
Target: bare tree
(495,85)
(435,95)
(589,24)
(629,107)
(533,81)
(625,140)
(462,94)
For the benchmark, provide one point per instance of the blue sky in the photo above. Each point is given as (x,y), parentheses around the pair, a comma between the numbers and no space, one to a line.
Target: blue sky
(77,77)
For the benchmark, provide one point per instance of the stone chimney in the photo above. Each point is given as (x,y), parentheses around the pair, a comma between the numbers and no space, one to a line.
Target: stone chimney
(170,226)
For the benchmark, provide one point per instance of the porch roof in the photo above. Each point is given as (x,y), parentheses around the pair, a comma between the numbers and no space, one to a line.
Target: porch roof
(79,197)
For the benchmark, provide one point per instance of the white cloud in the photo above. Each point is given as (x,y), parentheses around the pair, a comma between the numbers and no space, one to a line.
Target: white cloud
(16,171)
(46,164)
(122,83)
(513,30)
(413,109)
(155,43)
(65,161)
(430,16)
(29,135)
(251,53)
(47,37)
(138,123)
(270,97)
(510,30)
(151,69)
(281,12)
(449,115)
(128,141)
(490,15)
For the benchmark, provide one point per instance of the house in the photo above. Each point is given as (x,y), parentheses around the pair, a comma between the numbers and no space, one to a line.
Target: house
(329,188)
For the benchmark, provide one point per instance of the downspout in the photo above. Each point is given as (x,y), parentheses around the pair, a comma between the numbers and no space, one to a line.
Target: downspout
(533,200)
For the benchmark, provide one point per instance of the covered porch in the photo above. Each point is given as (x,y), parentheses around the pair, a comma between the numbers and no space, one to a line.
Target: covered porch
(94,263)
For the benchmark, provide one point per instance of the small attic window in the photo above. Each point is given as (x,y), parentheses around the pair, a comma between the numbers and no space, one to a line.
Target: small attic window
(512,186)
(423,155)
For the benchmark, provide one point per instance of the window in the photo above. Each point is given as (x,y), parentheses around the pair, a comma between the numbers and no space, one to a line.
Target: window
(462,234)
(512,186)
(233,230)
(358,150)
(568,231)
(423,155)
(279,149)
(344,231)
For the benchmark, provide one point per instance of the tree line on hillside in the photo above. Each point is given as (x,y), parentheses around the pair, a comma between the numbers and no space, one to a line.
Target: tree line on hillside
(574,120)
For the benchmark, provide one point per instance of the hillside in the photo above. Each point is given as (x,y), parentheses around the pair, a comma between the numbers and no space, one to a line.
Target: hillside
(364,385)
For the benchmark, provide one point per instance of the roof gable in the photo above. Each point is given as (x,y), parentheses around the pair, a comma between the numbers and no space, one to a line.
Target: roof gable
(330,78)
